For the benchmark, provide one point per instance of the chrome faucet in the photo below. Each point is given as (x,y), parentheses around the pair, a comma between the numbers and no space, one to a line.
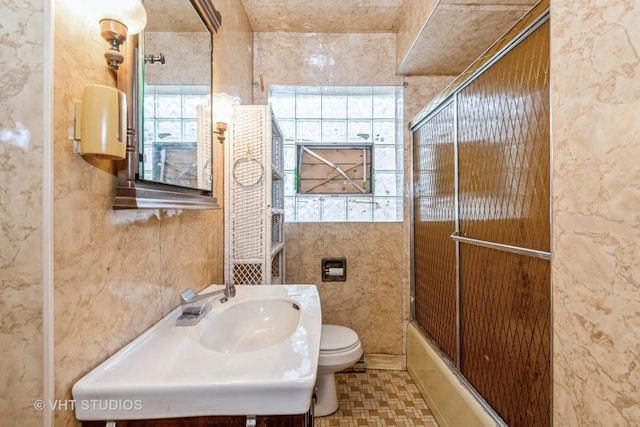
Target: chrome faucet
(196,306)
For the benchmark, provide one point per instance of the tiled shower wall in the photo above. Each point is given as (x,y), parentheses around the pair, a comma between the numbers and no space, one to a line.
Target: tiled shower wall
(493,136)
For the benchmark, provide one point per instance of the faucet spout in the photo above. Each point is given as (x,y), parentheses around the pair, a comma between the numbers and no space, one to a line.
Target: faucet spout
(196,306)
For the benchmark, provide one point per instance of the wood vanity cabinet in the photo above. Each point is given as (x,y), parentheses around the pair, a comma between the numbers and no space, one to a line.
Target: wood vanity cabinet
(301,420)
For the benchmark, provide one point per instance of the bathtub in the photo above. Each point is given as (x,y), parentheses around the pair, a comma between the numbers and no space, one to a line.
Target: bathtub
(451,403)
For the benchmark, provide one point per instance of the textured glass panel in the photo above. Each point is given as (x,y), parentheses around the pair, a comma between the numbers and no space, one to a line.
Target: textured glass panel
(333,127)
(504,149)
(360,209)
(290,209)
(386,208)
(288,128)
(290,183)
(384,131)
(385,158)
(168,106)
(360,106)
(289,157)
(308,106)
(384,106)
(503,131)
(283,105)
(149,105)
(434,222)
(308,209)
(190,105)
(168,130)
(149,132)
(309,131)
(334,130)
(334,209)
(506,332)
(359,131)
(190,130)
(334,107)
(385,184)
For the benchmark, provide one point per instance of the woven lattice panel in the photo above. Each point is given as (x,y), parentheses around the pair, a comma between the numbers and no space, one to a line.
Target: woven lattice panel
(248,198)
(504,197)
(277,267)
(434,251)
(277,194)
(277,229)
(277,152)
(248,274)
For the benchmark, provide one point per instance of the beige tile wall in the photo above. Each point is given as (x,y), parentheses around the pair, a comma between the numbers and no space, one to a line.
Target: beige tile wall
(595,269)
(116,273)
(595,66)
(374,300)
(21,243)
(414,14)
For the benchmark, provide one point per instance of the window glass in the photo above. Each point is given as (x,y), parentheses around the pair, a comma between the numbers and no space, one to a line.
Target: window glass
(343,152)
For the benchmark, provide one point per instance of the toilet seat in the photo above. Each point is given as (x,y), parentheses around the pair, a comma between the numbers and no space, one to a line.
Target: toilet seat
(335,338)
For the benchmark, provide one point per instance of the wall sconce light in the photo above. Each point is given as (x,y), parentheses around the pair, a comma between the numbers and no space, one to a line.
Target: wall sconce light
(221,128)
(123,17)
(222,113)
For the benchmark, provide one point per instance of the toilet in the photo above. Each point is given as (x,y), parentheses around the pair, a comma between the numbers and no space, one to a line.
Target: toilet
(340,348)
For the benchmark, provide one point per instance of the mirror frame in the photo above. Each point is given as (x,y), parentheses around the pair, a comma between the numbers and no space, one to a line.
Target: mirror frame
(132,192)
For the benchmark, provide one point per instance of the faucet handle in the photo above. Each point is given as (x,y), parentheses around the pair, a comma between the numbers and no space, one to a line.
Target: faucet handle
(187,296)
(230,290)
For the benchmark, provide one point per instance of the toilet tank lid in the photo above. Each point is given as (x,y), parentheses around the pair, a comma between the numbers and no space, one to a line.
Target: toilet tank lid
(335,337)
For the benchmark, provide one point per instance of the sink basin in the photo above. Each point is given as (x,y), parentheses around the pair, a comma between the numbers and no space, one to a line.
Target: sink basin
(255,354)
(251,325)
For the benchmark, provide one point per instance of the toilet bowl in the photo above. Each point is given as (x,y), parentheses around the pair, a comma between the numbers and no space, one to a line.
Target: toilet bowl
(339,348)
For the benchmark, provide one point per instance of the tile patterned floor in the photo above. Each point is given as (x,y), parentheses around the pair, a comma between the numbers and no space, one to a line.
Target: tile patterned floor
(378,398)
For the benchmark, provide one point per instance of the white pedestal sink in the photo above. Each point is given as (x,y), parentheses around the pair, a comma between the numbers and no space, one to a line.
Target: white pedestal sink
(252,325)
(256,354)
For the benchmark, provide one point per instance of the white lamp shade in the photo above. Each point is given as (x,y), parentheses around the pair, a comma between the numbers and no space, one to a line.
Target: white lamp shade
(129,12)
(223,107)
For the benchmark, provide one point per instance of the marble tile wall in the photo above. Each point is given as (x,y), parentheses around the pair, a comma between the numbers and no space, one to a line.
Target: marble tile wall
(322,58)
(328,16)
(21,244)
(596,229)
(176,46)
(233,52)
(414,14)
(370,301)
(374,300)
(116,272)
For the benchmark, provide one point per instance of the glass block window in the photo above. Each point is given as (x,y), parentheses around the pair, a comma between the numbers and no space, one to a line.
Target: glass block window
(170,131)
(343,152)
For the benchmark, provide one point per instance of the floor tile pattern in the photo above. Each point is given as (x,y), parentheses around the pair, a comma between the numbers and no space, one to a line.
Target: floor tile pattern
(378,398)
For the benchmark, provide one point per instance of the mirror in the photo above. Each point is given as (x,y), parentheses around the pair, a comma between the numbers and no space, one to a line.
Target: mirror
(176,85)
(170,162)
